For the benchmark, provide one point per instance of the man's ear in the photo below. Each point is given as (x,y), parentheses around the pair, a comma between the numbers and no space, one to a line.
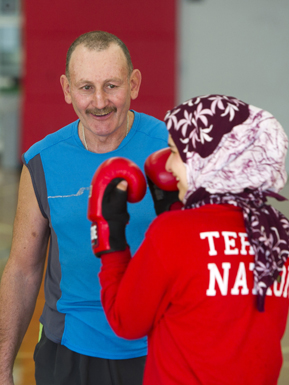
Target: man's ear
(65,88)
(135,81)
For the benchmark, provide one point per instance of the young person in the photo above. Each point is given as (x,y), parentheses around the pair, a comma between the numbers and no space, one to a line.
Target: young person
(209,284)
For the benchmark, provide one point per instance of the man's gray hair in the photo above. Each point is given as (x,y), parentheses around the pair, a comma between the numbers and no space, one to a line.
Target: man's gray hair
(99,41)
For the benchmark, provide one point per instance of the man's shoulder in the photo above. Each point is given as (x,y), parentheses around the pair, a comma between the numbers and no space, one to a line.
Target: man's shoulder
(150,125)
(50,141)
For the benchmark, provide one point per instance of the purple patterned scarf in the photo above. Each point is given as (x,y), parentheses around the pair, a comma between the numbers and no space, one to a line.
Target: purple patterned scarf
(235,154)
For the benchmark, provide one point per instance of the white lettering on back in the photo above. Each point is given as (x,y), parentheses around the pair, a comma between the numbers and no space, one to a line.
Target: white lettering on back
(285,293)
(210,235)
(230,243)
(221,279)
(244,243)
(251,268)
(241,280)
(216,276)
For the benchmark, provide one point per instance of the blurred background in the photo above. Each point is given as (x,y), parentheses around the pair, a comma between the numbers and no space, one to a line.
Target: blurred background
(183,48)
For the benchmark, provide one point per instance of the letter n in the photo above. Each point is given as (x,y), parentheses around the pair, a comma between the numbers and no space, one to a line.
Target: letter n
(215,276)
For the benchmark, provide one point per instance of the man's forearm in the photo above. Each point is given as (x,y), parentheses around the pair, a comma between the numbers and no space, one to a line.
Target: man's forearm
(18,294)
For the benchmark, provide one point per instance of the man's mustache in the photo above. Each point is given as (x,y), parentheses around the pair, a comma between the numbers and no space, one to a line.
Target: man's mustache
(102,111)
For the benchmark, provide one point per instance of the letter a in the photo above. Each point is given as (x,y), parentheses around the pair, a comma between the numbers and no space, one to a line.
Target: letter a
(241,280)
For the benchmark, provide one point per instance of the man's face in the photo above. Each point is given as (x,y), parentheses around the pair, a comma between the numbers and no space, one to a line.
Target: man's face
(100,88)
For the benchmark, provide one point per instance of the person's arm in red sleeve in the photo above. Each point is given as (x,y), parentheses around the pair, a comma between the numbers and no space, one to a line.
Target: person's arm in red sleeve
(135,292)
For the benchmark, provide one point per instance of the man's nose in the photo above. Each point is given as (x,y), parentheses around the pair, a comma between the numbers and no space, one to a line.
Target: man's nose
(100,99)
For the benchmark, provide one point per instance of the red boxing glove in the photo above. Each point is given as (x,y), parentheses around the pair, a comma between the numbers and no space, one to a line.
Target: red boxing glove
(162,184)
(107,206)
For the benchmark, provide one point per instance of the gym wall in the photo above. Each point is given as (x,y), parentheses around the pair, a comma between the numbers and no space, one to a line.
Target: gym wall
(148,29)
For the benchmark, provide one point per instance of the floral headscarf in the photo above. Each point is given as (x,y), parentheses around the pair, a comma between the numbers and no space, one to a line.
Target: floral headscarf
(235,154)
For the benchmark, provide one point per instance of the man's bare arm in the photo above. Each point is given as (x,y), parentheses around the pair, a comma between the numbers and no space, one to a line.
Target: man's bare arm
(22,275)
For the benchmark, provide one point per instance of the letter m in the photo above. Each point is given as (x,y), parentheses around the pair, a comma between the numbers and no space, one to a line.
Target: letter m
(215,276)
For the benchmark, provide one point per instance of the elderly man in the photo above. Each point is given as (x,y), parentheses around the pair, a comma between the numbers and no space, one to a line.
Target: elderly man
(77,346)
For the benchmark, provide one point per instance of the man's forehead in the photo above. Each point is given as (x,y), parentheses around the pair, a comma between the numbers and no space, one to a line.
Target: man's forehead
(83,54)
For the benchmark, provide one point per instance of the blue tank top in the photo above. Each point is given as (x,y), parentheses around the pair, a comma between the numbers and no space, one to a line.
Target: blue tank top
(61,170)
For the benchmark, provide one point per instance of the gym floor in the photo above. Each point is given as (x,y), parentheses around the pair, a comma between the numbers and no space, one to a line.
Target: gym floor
(24,365)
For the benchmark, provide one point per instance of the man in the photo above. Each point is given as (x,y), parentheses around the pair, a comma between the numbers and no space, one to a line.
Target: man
(77,346)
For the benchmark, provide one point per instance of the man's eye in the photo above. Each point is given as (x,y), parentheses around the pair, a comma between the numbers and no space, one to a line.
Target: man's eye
(111,86)
(86,88)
